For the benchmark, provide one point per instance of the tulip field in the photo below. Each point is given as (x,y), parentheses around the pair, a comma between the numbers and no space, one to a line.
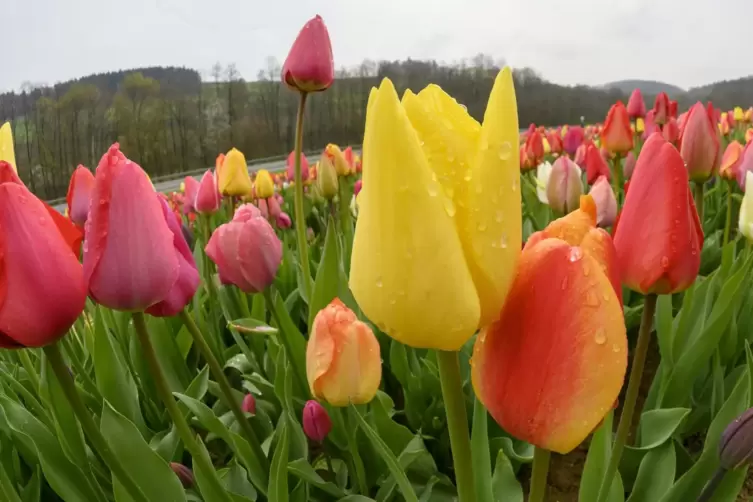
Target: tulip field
(466,312)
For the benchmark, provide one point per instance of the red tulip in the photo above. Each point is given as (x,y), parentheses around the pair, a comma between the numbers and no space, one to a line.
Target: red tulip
(606,203)
(534,148)
(699,144)
(291,167)
(596,166)
(658,236)
(636,107)
(574,137)
(188,277)
(617,136)
(190,192)
(42,289)
(129,256)
(80,194)
(207,196)
(309,66)
(649,125)
(246,250)
(671,131)
(555,142)
(661,108)
(627,169)
(672,108)
(714,113)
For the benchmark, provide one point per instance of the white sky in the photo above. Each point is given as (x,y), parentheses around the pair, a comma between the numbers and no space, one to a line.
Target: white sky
(681,42)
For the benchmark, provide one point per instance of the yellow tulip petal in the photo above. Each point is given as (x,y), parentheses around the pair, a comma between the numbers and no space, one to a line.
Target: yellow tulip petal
(233,177)
(6,146)
(490,220)
(408,271)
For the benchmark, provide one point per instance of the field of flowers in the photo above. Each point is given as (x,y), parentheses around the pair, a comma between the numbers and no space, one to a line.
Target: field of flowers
(442,319)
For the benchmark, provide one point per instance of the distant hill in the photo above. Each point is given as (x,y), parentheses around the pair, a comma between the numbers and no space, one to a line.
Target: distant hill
(181,80)
(725,94)
(648,87)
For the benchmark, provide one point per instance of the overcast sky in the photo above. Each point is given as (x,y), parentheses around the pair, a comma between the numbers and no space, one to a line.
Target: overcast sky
(681,42)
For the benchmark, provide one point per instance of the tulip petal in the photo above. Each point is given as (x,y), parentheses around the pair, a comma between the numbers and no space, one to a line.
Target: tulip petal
(6,146)
(404,235)
(573,227)
(598,244)
(570,325)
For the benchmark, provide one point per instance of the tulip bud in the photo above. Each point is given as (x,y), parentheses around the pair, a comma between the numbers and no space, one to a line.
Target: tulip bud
(736,444)
(283,221)
(263,208)
(534,147)
(661,108)
(309,66)
(6,146)
(233,179)
(336,157)
(606,203)
(596,165)
(343,363)
(748,135)
(185,475)
(291,167)
(564,187)
(671,131)
(274,207)
(699,144)
(264,185)
(580,155)
(357,187)
(326,178)
(543,173)
(80,194)
(573,139)
(639,125)
(738,114)
(246,250)
(627,168)
(673,108)
(249,404)
(617,137)
(316,421)
(207,197)
(189,199)
(636,108)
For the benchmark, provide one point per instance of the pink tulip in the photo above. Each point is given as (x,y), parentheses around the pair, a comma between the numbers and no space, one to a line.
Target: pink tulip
(636,107)
(357,187)
(316,421)
(283,221)
(574,138)
(291,167)
(627,168)
(606,203)
(246,250)
(249,404)
(207,196)
(263,208)
(744,165)
(699,144)
(191,190)
(79,195)
(274,207)
(188,278)
(564,187)
(129,255)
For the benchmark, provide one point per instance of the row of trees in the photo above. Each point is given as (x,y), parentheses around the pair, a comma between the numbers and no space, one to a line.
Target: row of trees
(169,121)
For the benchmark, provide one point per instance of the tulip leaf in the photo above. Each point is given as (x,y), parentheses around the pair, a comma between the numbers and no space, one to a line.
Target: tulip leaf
(355,498)
(208,489)
(480,454)
(278,474)
(293,341)
(664,329)
(412,452)
(326,285)
(172,363)
(504,485)
(656,474)
(236,482)
(657,426)
(303,470)
(599,453)
(250,326)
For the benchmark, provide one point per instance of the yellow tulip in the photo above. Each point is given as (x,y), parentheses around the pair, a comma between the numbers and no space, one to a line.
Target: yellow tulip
(265,186)
(439,229)
(639,125)
(233,178)
(337,158)
(748,115)
(545,142)
(6,146)
(326,178)
(737,113)
(563,131)
(182,187)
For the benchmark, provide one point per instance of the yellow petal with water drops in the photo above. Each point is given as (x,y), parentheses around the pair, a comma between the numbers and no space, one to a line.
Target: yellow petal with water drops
(6,146)
(408,272)
(490,225)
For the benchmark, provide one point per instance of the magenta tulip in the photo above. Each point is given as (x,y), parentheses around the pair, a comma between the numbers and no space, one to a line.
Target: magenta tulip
(283,221)
(316,421)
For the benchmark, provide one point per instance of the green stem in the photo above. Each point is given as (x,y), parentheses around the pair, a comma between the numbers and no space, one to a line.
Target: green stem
(7,488)
(537,492)
(698,195)
(300,378)
(55,357)
(359,471)
(617,178)
(300,222)
(345,220)
(631,395)
(31,371)
(712,485)
(163,389)
(224,384)
(728,220)
(457,423)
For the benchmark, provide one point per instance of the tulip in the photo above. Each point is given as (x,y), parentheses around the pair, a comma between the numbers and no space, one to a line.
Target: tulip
(659,237)
(738,114)
(555,142)
(543,172)
(233,178)
(661,108)
(627,169)
(731,161)
(207,196)
(249,404)
(463,263)
(283,221)
(640,126)
(264,185)
(636,108)
(580,154)
(616,135)
(326,178)
(246,250)
(564,187)
(80,194)
(263,208)
(562,308)
(188,276)
(534,147)
(309,66)
(130,261)
(316,421)
(185,475)
(699,144)
(573,139)
(333,153)
(545,142)
(343,364)
(650,126)
(6,146)
(290,171)
(273,207)
(350,158)
(744,165)
(749,135)
(671,131)
(672,108)
(596,165)
(724,124)
(191,191)
(606,203)
(748,116)
(736,445)
(357,187)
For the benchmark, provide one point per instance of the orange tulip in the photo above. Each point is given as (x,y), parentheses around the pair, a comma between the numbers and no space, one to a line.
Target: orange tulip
(731,161)
(534,147)
(617,137)
(749,135)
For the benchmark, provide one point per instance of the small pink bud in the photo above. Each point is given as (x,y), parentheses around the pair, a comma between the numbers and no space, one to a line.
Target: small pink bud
(283,221)
(184,474)
(249,404)
(316,421)
(357,187)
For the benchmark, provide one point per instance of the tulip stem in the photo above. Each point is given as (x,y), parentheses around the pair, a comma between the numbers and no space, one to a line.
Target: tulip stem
(712,485)
(699,193)
(200,461)
(227,391)
(617,178)
(631,395)
(345,224)
(97,440)
(728,220)
(457,423)
(537,491)
(300,222)
(351,432)
(7,488)
(31,371)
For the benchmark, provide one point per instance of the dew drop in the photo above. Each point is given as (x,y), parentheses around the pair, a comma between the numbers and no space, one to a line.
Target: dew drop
(564,283)
(433,190)
(22,199)
(450,158)
(468,176)
(499,216)
(449,208)
(576,254)
(401,293)
(503,242)
(514,185)
(591,299)
(615,348)
(600,336)
(505,150)
(42,220)
(102,202)
(481,227)
(664,261)
(393,301)
(379,282)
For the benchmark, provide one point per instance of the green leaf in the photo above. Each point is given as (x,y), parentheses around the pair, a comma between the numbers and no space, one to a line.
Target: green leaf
(33,489)
(278,475)
(236,482)
(599,453)
(413,451)
(303,470)
(168,354)
(293,341)
(656,474)
(664,328)
(480,454)
(326,285)
(150,471)
(355,498)
(504,485)
(249,326)
(208,489)
(657,426)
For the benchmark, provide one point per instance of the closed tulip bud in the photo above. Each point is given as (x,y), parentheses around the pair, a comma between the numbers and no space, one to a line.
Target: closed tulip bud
(574,138)
(606,203)
(80,194)
(566,272)
(419,150)
(326,178)
(316,421)
(671,131)
(291,167)
(189,199)
(555,142)
(564,187)
(617,137)
(724,124)
(699,144)
(7,153)
(246,250)
(658,236)
(636,108)
(333,153)
(749,135)
(731,161)
(650,126)
(736,445)
(274,207)
(738,114)
(233,179)
(309,66)
(185,475)
(543,173)
(130,262)
(661,108)
(673,108)
(627,168)
(265,186)
(596,165)
(263,208)
(357,187)
(283,221)
(731,118)
(748,117)
(534,147)
(343,363)
(249,404)
(207,197)
(188,276)
(744,165)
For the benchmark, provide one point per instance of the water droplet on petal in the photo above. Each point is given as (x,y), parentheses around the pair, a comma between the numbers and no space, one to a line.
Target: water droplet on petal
(102,202)
(503,242)
(615,348)
(576,254)
(481,227)
(433,190)
(468,176)
(42,220)
(393,301)
(449,208)
(514,185)
(586,269)
(505,150)
(379,282)
(665,261)
(600,336)
(499,216)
